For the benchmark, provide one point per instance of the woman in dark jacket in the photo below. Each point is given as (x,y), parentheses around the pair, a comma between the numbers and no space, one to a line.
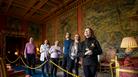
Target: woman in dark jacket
(90,49)
(73,55)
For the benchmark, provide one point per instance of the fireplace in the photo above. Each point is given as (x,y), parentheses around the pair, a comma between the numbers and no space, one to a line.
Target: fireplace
(14,46)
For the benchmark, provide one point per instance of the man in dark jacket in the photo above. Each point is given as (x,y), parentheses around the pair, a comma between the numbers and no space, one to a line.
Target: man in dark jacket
(89,52)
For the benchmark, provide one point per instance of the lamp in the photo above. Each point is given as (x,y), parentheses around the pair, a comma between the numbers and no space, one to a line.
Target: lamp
(128,43)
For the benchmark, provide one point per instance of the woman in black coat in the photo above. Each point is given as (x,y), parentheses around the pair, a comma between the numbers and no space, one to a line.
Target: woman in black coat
(90,49)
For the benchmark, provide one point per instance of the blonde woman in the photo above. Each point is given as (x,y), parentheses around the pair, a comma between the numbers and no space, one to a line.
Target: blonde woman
(55,52)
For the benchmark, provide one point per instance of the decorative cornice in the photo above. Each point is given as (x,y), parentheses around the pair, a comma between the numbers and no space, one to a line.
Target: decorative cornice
(5,33)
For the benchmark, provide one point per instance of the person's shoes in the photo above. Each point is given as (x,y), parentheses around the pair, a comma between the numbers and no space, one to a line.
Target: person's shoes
(34,73)
(43,75)
(48,74)
(55,75)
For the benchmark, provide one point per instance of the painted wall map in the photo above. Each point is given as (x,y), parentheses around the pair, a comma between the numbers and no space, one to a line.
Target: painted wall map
(57,27)
(111,21)
(68,23)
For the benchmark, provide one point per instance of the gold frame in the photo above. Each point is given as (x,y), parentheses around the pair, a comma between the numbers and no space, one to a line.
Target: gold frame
(3,70)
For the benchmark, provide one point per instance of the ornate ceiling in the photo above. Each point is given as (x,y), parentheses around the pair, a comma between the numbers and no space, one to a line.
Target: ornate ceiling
(34,10)
(41,10)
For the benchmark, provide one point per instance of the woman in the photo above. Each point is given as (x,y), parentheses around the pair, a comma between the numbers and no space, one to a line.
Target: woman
(73,54)
(44,48)
(90,48)
(55,52)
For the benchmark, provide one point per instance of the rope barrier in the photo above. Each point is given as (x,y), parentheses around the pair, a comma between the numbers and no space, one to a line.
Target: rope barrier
(12,61)
(34,67)
(74,75)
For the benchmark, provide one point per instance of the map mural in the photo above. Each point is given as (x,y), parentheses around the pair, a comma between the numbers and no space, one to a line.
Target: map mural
(66,22)
(111,21)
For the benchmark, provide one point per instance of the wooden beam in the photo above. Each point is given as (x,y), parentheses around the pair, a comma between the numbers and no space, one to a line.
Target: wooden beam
(20,2)
(60,8)
(0,2)
(9,4)
(40,10)
(56,2)
(18,5)
(31,4)
(64,10)
(23,7)
(51,4)
(38,6)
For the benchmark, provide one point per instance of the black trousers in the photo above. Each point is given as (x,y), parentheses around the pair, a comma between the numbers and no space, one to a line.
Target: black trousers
(90,70)
(31,63)
(53,69)
(73,65)
(65,63)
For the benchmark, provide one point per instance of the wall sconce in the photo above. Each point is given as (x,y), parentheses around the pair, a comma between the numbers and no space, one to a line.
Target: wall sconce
(37,50)
(128,43)
(16,53)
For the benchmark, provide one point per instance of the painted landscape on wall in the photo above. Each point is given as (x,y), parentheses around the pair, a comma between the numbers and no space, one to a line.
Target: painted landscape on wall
(111,21)
(57,27)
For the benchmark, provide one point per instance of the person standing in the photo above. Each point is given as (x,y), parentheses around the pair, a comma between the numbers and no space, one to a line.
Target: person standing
(66,49)
(44,55)
(30,54)
(73,54)
(55,52)
(90,49)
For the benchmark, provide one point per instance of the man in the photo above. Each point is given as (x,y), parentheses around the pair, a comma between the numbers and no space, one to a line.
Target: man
(30,52)
(66,50)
